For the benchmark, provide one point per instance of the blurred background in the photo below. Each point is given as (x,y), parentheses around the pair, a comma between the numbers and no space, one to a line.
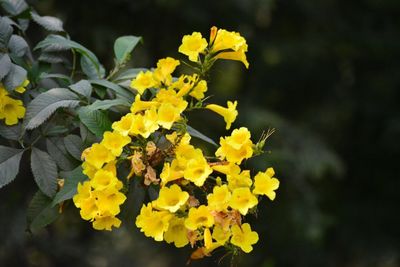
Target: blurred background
(324,73)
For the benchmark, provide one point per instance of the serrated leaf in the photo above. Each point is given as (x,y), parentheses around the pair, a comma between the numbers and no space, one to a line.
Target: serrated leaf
(58,43)
(71,180)
(128,74)
(14,7)
(44,171)
(56,130)
(95,120)
(15,77)
(40,212)
(10,132)
(128,95)
(106,104)
(52,57)
(49,23)
(63,77)
(193,132)
(123,46)
(17,45)
(9,164)
(5,65)
(74,146)
(45,104)
(91,69)
(82,87)
(5,32)
(57,150)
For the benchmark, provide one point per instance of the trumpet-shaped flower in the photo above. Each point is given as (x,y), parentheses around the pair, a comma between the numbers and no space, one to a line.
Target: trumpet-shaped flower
(230,113)
(167,115)
(98,155)
(266,184)
(143,81)
(199,90)
(221,235)
(236,147)
(177,232)
(11,110)
(153,223)
(106,222)
(219,199)
(171,198)
(197,170)
(192,45)
(244,237)
(165,67)
(115,142)
(242,200)
(199,217)
(124,125)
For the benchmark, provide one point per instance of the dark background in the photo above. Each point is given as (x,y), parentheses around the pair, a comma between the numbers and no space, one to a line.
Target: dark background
(324,73)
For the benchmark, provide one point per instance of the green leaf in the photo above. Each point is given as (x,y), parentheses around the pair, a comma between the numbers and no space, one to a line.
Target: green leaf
(63,77)
(49,23)
(56,130)
(44,171)
(5,32)
(193,132)
(9,164)
(5,65)
(71,181)
(123,46)
(57,150)
(58,43)
(45,104)
(17,46)
(90,68)
(127,94)
(83,87)
(74,146)
(95,120)
(11,132)
(106,104)
(41,212)
(14,7)
(128,74)
(15,77)
(52,57)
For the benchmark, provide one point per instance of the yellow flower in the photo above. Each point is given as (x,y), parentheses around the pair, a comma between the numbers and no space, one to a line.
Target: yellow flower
(266,184)
(197,170)
(124,125)
(243,237)
(239,180)
(143,81)
(106,222)
(192,45)
(177,232)
(139,105)
(11,110)
(171,198)
(230,113)
(242,200)
(170,172)
(167,115)
(199,217)
(153,223)
(227,169)
(89,209)
(236,147)
(104,179)
(115,142)
(21,89)
(98,155)
(219,199)
(199,90)
(221,235)
(145,124)
(229,45)
(165,67)
(109,200)
(84,191)
(88,170)
(170,96)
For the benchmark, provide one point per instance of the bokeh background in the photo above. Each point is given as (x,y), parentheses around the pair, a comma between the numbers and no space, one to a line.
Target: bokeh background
(324,73)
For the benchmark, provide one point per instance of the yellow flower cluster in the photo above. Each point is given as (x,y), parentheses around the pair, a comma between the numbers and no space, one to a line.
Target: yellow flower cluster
(201,201)
(11,109)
